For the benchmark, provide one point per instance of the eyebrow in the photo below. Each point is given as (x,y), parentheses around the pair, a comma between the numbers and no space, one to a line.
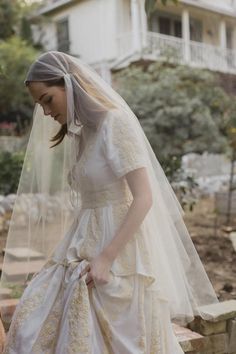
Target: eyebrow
(42,96)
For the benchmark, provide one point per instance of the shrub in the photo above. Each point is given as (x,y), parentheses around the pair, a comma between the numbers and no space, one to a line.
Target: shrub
(10,169)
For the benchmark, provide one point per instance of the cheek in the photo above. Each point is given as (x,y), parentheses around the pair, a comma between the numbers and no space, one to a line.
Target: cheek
(62,103)
(59,104)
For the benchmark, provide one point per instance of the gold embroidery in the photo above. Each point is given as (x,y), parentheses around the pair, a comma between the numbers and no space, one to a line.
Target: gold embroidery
(142,338)
(22,312)
(48,335)
(79,321)
(105,329)
(94,235)
(156,347)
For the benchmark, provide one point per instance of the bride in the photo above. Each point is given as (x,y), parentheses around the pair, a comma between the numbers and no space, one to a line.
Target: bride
(117,262)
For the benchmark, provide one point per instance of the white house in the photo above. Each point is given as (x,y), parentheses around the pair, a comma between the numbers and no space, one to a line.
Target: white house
(112,33)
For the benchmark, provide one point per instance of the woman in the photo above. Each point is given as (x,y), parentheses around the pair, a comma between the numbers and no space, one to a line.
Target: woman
(126,266)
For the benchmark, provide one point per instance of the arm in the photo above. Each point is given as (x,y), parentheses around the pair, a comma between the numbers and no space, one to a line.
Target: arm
(142,200)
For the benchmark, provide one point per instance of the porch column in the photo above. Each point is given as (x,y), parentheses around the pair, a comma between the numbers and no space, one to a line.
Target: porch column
(222,35)
(136,26)
(223,44)
(144,24)
(234,38)
(186,34)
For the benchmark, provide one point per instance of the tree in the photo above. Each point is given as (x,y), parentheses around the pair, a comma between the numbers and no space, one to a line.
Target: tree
(14,16)
(8,18)
(15,57)
(181,109)
(150,4)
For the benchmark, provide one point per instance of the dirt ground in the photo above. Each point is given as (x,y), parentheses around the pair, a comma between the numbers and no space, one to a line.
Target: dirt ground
(211,239)
(212,243)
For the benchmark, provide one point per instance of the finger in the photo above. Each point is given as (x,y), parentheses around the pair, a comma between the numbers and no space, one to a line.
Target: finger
(90,284)
(88,280)
(85,270)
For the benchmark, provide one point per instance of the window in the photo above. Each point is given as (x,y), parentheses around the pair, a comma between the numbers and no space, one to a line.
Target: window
(171,25)
(178,28)
(166,24)
(229,37)
(63,41)
(195,30)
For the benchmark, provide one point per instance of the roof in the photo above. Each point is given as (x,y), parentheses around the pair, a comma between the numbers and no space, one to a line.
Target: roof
(54,6)
(222,8)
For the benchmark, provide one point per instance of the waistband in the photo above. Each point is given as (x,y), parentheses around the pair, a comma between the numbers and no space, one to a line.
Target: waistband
(112,194)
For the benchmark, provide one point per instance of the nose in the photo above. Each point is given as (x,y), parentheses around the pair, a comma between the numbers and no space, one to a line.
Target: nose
(47,111)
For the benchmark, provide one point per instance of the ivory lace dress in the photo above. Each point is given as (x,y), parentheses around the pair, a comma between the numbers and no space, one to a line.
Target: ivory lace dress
(57,313)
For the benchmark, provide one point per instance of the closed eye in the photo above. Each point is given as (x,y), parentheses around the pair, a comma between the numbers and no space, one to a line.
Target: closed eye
(49,100)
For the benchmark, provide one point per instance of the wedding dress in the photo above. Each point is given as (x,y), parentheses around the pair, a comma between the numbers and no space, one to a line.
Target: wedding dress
(156,279)
(57,312)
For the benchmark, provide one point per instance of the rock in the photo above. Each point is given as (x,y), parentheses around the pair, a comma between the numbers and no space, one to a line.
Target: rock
(228,287)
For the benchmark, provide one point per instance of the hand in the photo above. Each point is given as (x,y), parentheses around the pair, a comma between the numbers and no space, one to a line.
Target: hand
(97,271)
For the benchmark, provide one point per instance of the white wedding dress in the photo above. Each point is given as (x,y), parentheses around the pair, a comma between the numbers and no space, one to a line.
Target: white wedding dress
(57,313)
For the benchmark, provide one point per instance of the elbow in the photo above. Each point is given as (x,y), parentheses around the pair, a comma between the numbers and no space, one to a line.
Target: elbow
(149,201)
(145,201)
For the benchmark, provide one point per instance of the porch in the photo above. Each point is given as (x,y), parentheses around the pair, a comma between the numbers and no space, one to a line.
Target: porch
(157,46)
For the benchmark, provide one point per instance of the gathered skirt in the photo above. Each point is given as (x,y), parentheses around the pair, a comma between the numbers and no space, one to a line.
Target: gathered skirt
(58,314)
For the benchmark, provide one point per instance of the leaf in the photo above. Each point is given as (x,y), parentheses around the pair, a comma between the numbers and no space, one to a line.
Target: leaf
(150,5)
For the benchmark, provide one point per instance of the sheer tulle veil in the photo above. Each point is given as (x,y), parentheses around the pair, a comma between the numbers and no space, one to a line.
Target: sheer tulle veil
(46,203)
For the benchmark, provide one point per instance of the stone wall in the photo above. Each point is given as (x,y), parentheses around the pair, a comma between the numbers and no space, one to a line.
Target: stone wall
(214,336)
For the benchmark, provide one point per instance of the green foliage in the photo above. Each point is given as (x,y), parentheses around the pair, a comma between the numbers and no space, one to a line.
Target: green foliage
(181,109)
(10,169)
(14,19)
(150,4)
(8,18)
(15,57)
(25,30)
(16,289)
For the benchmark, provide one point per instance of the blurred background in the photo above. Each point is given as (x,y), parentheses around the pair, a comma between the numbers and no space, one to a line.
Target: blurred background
(174,62)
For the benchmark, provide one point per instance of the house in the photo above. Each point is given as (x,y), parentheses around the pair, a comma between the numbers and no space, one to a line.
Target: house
(110,34)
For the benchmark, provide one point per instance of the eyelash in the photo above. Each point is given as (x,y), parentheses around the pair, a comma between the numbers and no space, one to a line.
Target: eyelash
(49,100)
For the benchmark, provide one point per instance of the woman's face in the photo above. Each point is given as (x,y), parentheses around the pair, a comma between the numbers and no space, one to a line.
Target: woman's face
(52,99)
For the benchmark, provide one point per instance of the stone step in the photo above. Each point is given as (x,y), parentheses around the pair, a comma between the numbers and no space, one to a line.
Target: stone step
(8,306)
(5,293)
(219,312)
(23,253)
(183,333)
(193,342)
(19,269)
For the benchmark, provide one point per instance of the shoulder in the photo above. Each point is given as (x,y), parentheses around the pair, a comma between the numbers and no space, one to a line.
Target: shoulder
(117,122)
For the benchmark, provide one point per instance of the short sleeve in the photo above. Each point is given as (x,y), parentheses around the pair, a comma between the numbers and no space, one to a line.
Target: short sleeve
(123,145)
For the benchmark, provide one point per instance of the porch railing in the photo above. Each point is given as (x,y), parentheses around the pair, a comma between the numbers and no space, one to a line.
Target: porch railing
(157,46)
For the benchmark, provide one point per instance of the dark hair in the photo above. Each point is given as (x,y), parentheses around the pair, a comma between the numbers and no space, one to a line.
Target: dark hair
(59,136)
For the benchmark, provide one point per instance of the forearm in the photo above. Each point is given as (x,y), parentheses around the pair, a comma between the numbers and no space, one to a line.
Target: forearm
(133,219)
